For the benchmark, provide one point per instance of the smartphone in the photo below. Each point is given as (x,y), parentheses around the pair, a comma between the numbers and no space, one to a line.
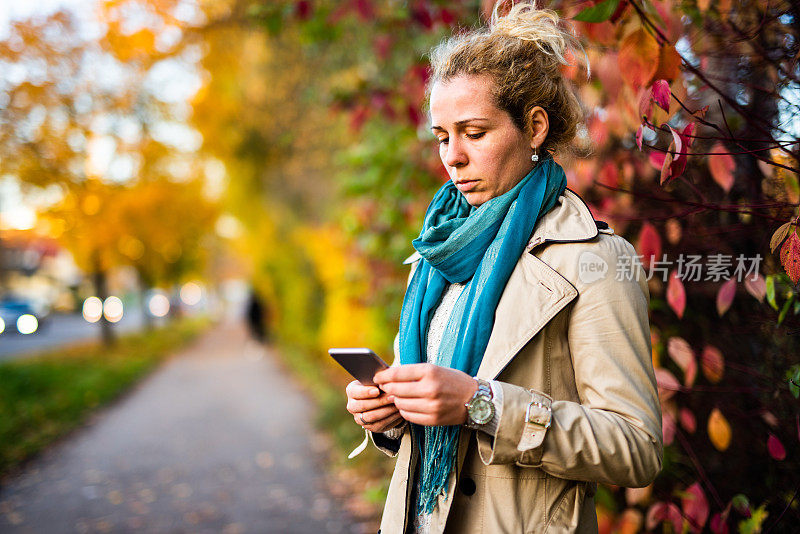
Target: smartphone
(362,363)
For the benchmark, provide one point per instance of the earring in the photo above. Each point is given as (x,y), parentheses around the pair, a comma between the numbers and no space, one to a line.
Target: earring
(535,156)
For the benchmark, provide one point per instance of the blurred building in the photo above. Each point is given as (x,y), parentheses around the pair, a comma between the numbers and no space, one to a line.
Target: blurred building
(37,268)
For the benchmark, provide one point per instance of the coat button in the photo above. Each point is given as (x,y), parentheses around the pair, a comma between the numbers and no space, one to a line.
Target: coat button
(467,486)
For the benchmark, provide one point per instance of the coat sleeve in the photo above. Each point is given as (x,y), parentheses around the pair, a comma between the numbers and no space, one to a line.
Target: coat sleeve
(613,435)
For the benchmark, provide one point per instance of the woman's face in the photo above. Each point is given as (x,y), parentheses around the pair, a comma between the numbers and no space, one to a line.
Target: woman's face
(484,152)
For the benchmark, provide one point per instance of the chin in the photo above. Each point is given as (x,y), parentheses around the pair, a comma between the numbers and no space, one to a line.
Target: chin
(475,199)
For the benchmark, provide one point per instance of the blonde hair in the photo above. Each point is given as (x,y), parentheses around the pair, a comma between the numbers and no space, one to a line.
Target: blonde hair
(523,52)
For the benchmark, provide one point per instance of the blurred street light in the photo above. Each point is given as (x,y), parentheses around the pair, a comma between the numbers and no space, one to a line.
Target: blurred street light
(92,309)
(191,293)
(27,324)
(112,309)
(158,305)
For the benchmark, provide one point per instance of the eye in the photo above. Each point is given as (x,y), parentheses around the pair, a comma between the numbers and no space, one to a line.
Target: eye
(443,140)
(476,135)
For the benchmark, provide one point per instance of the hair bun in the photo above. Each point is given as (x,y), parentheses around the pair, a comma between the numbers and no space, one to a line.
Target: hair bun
(541,27)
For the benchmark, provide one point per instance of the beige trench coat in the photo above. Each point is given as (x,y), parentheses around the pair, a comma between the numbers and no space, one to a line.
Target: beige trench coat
(584,339)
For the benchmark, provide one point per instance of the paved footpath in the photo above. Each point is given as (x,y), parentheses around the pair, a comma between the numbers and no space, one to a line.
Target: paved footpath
(218,440)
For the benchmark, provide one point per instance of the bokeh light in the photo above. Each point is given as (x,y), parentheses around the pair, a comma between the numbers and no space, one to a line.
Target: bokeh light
(2,325)
(158,305)
(92,309)
(112,309)
(27,324)
(191,293)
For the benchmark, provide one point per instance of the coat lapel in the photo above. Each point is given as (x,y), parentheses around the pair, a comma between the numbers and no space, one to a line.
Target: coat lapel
(534,294)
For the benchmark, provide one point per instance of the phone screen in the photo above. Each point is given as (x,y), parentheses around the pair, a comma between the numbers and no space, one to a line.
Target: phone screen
(362,363)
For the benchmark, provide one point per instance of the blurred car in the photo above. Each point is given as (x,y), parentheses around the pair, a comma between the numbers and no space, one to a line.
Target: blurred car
(18,315)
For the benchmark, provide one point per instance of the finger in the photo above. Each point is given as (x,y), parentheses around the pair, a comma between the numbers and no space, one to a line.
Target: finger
(373,416)
(416,405)
(357,406)
(401,373)
(407,389)
(418,418)
(386,424)
(357,390)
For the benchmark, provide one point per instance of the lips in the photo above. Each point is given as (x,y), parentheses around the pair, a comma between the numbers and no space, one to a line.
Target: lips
(466,185)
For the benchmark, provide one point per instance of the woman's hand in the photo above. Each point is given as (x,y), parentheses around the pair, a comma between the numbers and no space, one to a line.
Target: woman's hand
(428,394)
(374,412)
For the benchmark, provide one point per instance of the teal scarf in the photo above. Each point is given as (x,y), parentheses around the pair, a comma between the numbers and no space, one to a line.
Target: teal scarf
(461,243)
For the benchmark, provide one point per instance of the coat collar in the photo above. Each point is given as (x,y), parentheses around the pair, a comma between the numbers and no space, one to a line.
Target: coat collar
(569,221)
(535,292)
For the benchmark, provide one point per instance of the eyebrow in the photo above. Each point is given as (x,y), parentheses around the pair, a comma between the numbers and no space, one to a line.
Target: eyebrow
(461,122)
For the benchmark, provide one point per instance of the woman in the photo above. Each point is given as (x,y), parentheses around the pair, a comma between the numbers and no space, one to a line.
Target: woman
(522,374)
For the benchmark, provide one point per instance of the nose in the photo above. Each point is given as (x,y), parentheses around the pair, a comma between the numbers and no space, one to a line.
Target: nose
(455,155)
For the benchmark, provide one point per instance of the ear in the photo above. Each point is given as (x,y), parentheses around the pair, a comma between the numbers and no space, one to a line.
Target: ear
(538,126)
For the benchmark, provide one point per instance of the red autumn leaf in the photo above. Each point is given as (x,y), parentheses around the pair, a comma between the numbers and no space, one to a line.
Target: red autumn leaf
(645,100)
(687,420)
(678,142)
(668,428)
(756,287)
(649,244)
(638,58)
(422,16)
(718,524)
(667,384)
(664,511)
(609,175)
(775,448)
(661,94)
(303,9)
(721,164)
(712,363)
(682,354)
(725,296)
(688,134)
(365,9)
(656,159)
(790,257)
(676,294)
(695,507)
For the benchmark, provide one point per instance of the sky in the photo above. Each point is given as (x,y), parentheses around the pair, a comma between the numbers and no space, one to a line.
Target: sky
(176,84)
(20,9)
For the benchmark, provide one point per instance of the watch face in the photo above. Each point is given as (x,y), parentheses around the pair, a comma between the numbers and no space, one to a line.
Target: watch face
(481,410)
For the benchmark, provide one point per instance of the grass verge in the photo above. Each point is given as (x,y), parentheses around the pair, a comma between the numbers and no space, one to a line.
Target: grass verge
(45,396)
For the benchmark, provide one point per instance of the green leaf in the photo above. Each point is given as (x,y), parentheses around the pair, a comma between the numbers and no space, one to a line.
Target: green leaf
(771,292)
(793,377)
(599,13)
(752,525)
(785,310)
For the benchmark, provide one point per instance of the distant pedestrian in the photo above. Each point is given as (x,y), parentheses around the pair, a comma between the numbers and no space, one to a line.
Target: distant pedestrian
(257,315)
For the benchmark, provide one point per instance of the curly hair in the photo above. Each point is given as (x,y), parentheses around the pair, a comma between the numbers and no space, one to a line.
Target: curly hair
(522,51)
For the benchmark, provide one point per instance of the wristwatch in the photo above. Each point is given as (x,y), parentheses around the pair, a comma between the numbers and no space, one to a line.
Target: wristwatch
(480,408)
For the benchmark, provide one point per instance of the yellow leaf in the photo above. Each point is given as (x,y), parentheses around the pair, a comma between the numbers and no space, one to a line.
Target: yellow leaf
(719,430)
